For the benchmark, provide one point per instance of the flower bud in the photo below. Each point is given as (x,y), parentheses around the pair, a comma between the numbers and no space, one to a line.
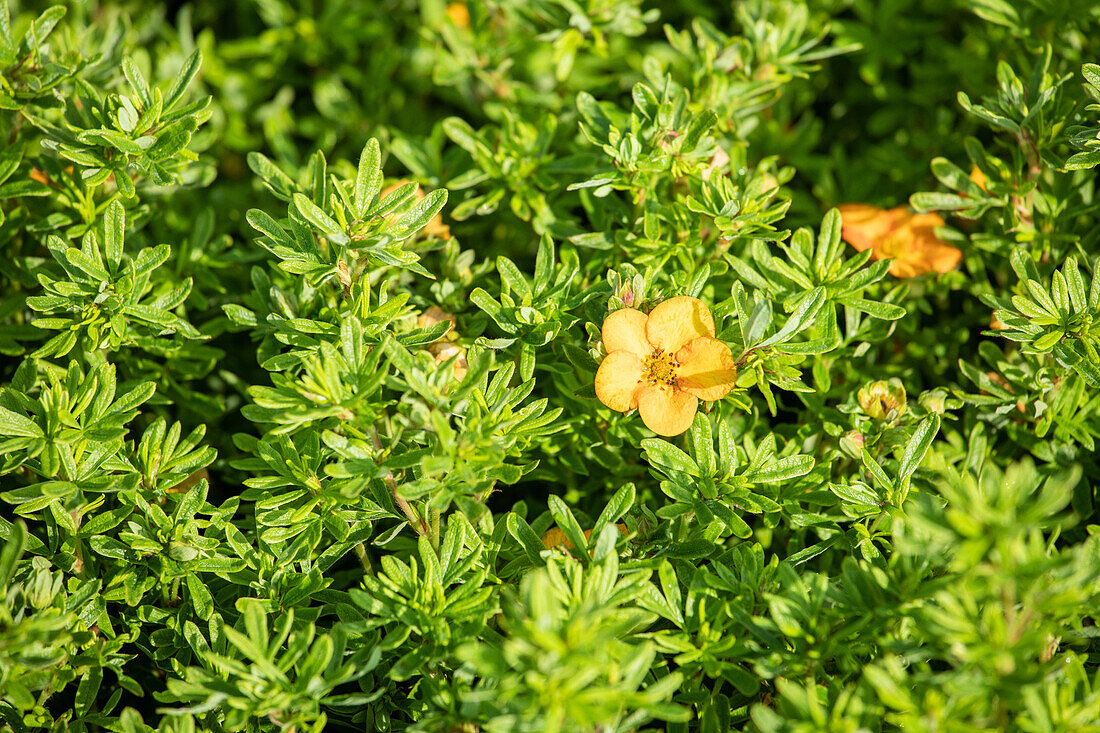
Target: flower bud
(42,586)
(631,292)
(883,400)
(852,443)
(934,401)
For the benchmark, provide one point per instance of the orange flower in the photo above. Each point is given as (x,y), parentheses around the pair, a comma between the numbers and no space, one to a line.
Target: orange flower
(44,178)
(435,227)
(435,315)
(979,178)
(664,363)
(908,239)
(459,14)
(556,538)
(443,348)
(444,351)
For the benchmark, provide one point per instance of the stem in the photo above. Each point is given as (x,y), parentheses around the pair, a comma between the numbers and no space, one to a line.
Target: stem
(364,559)
(415,519)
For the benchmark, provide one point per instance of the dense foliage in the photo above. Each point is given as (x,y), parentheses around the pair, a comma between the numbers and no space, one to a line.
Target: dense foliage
(302,306)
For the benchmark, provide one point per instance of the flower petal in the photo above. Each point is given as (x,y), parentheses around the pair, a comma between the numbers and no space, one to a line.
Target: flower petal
(624,330)
(665,410)
(923,224)
(435,315)
(923,251)
(678,321)
(707,369)
(943,257)
(618,379)
(979,178)
(556,538)
(445,351)
(922,259)
(904,268)
(862,225)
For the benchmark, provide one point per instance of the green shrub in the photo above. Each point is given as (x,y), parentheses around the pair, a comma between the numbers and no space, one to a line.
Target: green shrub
(333,335)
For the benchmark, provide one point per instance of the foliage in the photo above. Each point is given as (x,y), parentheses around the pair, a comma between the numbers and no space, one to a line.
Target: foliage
(301,308)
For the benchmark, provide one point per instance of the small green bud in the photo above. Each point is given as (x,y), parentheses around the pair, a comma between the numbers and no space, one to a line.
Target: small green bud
(934,401)
(883,400)
(852,443)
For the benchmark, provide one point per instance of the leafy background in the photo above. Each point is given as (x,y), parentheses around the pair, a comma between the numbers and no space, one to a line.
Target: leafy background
(240,492)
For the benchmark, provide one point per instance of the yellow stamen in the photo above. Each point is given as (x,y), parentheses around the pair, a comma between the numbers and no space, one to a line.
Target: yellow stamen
(660,368)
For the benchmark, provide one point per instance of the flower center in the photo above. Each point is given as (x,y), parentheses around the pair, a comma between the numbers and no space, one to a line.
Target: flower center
(660,368)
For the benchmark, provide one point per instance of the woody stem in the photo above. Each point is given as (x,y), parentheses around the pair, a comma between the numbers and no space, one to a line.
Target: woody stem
(411,514)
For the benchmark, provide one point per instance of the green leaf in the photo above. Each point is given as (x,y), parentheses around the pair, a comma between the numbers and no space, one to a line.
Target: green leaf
(699,126)
(114,231)
(875,309)
(137,81)
(728,517)
(544,263)
(618,506)
(278,182)
(191,503)
(201,600)
(14,544)
(890,692)
(1047,341)
(136,396)
(111,138)
(828,242)
(1082,160)
(368,177)
(183,79)
(420,215)
(664,454)
(263,223)
(87,689)
(459,131)
(528,540)
(875,470)
(757,324)
(916,448)
(783,470)
(1091,72)
(933,201)
(568,524)
(513,280)
(955,177)
(43,25)
(316,216)
(12,424)
(803,315)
